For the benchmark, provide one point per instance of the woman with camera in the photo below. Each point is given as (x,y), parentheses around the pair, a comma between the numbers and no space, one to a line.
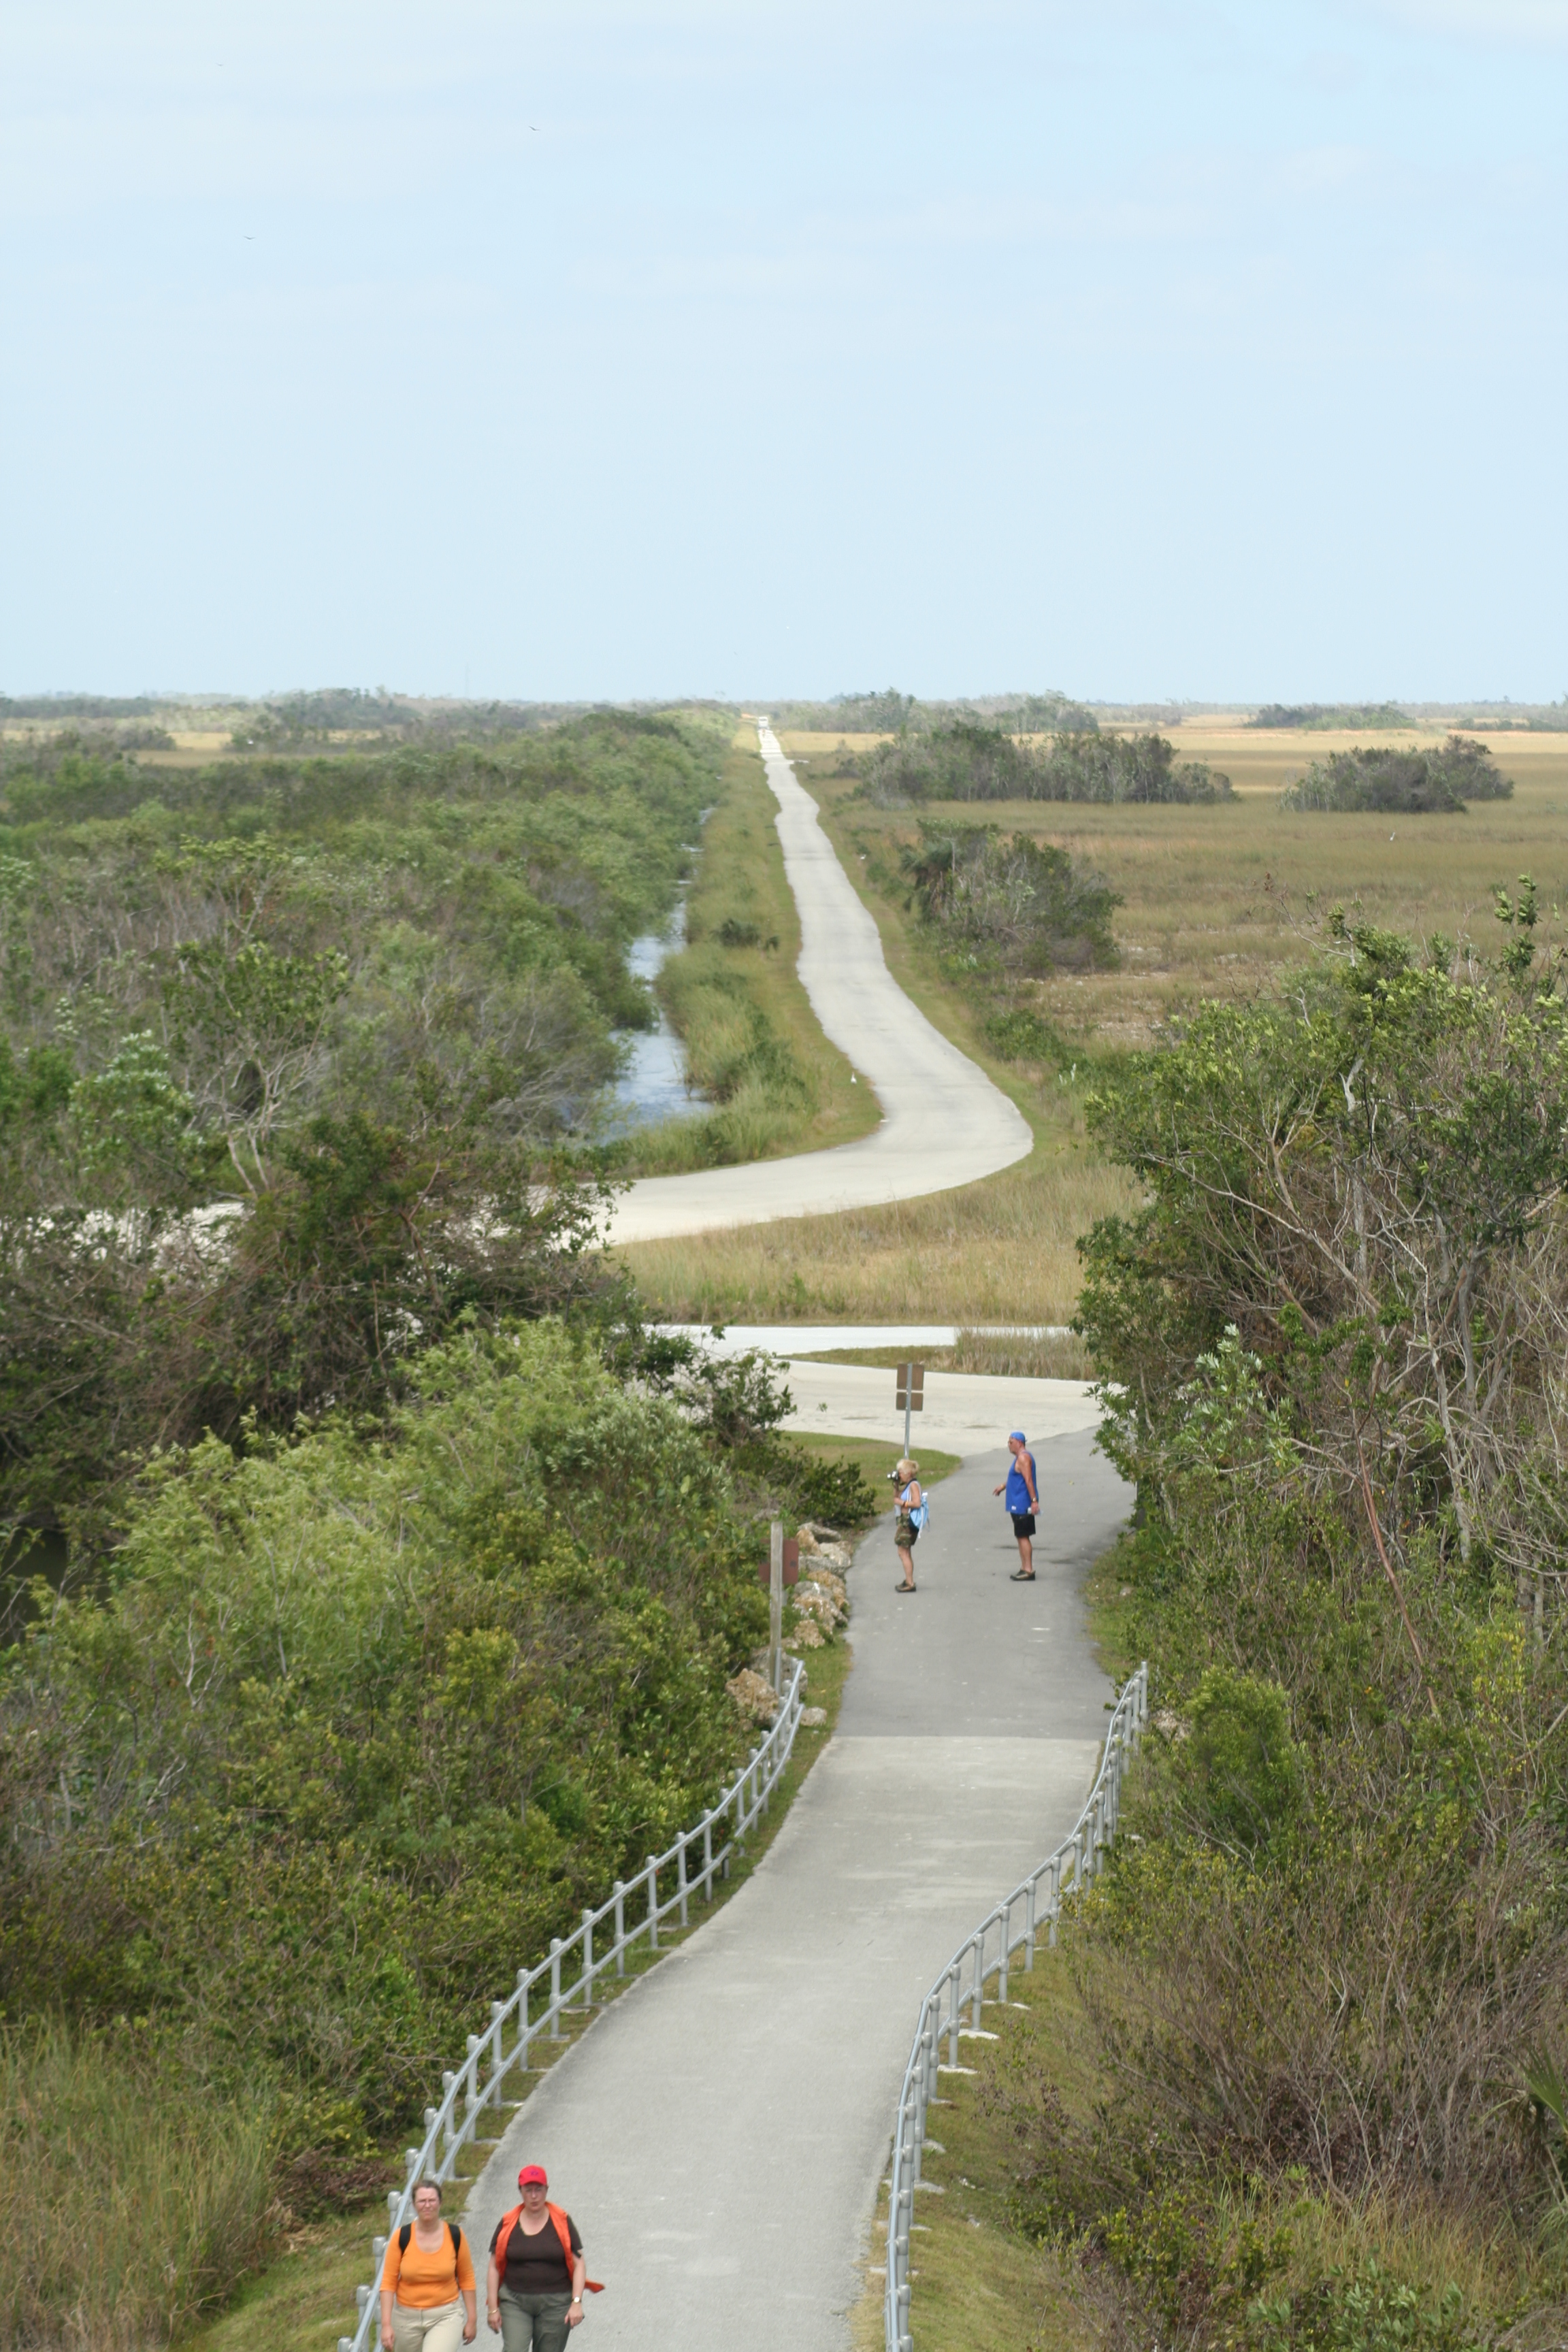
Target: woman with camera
(910,1518)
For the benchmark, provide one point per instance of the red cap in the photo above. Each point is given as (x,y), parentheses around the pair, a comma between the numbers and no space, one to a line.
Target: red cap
(531,2173)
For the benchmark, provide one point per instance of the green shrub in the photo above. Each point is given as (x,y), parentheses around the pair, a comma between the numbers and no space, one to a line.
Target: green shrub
(1241,1765)
(1386,778)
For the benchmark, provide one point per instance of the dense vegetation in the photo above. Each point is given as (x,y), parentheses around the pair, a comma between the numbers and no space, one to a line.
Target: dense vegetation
(404,1569)
(1387,777)
(964,760)
(286,1048)
(1013,907)
(1331,1959)
(354,1724)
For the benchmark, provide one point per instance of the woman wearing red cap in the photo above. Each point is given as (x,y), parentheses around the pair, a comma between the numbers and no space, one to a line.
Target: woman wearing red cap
(536,2276)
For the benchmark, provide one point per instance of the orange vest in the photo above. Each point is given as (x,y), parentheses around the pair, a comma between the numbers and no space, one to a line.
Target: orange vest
(562,2231)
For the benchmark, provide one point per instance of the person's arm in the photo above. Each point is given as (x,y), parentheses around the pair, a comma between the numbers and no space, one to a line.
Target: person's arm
(467,2290)
(1034,1490)
(997,1490)
(579,2273)
(388,2283)
(492,2294)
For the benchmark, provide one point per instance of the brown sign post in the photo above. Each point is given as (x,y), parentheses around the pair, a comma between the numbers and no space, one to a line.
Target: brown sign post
(782,1568)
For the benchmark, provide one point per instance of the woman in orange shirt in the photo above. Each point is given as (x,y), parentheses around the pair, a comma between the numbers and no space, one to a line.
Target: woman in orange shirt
(423,2279)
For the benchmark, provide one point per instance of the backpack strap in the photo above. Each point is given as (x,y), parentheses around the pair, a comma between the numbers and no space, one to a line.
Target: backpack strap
(402,2236)
(457,2237)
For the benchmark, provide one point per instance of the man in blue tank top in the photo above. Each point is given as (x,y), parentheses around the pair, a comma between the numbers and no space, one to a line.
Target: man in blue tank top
(1023,1502)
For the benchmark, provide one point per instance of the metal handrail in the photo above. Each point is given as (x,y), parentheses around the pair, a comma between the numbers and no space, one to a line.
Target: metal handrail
(1078,1852)
(449,2127)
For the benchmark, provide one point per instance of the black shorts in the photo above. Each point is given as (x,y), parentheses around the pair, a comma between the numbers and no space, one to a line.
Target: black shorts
(1023,1523)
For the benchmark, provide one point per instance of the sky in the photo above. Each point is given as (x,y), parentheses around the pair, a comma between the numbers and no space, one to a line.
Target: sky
(652,347)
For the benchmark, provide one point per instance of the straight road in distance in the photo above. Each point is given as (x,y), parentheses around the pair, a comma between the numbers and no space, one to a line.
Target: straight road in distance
(943,1122)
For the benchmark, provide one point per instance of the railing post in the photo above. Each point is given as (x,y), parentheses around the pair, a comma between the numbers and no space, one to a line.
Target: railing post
(1006,1939)
(556,1987)
(1029,1927)
(979,1976)
(953,2007)
(1055,1898)
(653,1903)
(448,2081)
(681,1875)
(471,2088)
(708,1857)
(620,1926)
(588,1957)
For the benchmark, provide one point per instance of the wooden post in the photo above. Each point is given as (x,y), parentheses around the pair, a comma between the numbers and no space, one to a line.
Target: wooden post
(775,1601)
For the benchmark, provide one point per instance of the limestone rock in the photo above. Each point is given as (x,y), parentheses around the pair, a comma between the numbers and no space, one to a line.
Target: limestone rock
(755,1696)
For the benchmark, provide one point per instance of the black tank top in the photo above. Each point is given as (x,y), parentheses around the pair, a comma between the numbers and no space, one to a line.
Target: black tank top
(536,2264)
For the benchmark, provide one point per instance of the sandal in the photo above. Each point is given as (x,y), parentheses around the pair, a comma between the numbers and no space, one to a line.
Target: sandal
(1022,1576)
(906,1588)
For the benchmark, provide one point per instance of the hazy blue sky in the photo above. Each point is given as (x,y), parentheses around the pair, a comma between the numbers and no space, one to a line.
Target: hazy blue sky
(589,349)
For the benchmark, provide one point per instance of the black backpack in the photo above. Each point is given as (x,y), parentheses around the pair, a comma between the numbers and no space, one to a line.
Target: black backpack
(452,2231)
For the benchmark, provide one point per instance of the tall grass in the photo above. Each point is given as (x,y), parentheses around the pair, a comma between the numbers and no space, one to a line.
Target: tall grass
(1000,1252)
(132,2200)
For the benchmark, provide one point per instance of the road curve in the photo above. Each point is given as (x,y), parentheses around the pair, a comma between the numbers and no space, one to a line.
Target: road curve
(943,1122)
(719,2132)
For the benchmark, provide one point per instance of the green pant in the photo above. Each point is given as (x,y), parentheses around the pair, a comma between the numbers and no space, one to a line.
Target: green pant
(533,2323)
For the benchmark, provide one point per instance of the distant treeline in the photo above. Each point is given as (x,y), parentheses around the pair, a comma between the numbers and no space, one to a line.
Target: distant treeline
(1387,777)
(893,713)
(965,762)
(1325,715)
(57,706)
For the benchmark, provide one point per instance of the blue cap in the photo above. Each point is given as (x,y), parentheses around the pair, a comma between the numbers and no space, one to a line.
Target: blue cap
(1017,1434)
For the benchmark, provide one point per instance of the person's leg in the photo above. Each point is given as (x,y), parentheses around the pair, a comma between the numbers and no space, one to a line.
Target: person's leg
(1023,1535)
(444,2329)
(907,1558)
(551,2333)
(1026,1554)
(516,2321)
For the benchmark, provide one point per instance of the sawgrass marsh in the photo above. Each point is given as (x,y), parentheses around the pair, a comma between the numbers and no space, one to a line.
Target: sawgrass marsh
(1219,900)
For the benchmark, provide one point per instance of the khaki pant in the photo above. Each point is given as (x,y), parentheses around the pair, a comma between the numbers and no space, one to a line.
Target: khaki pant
(440,2330)
(533,2323)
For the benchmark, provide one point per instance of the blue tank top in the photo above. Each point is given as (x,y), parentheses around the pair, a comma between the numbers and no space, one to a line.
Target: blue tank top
(1017,1496)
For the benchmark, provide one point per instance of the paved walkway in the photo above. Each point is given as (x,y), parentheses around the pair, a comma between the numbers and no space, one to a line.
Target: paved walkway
(719,2132)
(944,1123)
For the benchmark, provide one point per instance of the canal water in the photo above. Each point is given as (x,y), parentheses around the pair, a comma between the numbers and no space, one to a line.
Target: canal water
(652,1086)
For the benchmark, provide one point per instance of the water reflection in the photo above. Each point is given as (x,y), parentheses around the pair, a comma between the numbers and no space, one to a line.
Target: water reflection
(652,1085)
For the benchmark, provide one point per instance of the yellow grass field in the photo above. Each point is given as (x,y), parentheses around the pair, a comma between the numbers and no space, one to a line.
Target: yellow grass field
(1219,902)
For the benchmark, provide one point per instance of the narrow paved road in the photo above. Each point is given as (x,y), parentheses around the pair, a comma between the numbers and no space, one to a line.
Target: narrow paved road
(944,1123)
(719,2132)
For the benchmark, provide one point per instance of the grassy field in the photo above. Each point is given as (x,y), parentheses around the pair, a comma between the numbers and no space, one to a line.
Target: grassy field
(1220,899)
(752,1044)
(1219,902)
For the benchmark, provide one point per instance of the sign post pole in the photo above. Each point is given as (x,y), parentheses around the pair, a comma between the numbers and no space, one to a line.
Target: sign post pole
(909,1395)
(775,1600)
